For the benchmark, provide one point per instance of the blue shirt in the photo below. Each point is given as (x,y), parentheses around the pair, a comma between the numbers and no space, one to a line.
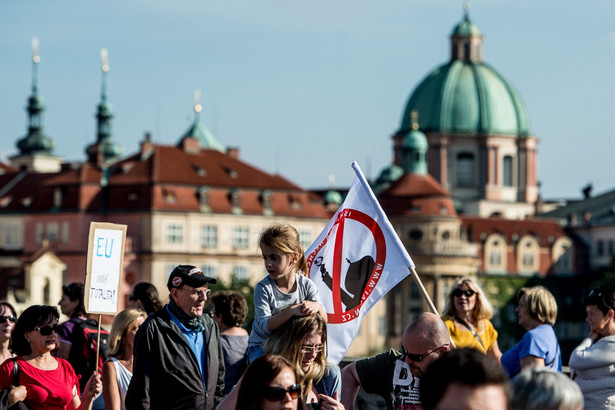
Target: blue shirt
(540,342)
(197,345)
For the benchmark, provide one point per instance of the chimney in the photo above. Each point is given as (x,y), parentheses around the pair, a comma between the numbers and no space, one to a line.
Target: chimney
(233,152)
(147,148)
(190,145)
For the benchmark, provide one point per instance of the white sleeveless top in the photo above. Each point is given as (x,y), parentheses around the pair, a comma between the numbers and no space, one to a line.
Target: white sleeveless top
(123,379)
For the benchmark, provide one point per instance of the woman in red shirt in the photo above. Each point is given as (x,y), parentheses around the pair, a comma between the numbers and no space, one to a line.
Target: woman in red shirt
(49,382)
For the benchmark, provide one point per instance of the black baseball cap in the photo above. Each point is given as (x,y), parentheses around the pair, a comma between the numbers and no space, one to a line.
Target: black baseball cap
(188,275)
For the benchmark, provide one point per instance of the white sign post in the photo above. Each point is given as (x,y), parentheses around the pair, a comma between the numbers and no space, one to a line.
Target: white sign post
(104,270)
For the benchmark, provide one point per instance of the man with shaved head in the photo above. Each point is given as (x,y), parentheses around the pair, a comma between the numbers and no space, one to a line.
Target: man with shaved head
(394,375)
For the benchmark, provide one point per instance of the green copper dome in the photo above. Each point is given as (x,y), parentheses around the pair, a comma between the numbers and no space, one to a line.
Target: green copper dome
(206,139)
(333,197)
(466,95)
(466,28)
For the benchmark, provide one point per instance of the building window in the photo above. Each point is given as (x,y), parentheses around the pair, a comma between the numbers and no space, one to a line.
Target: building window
(52,231)
(465,169)
(508,171)
(528,255)
(209,236)
(174,233)
(240,273)
(495,257)
(495,254)
(240,237)
(39,232)
(12,235)
(600,247)
(611,247)
(210,270)
(65,231)
(305,236)
(168,269)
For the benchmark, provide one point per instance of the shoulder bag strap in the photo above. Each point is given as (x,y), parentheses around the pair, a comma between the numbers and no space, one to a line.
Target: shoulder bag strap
(471,330)
(15,372)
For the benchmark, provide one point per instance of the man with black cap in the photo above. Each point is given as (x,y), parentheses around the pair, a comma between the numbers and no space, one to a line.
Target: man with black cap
(178,362)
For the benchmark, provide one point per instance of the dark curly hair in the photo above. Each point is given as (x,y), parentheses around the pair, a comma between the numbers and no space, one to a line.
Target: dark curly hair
(232,306)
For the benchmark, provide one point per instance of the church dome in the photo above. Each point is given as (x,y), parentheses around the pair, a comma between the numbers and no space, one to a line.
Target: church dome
(466,95)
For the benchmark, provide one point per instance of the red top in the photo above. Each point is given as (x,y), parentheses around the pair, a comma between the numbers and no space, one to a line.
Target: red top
(47,389)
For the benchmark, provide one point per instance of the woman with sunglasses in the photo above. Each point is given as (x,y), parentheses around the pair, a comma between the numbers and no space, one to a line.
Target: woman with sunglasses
(270,382)
(592,363)
(8,317)
(537,311)
(50,382)
(467,315)
(302,341)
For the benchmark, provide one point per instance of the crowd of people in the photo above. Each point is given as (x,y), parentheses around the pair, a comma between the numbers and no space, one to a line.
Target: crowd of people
(176,356)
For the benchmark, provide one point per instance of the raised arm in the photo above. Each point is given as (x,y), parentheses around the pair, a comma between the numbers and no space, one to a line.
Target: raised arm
(350,385)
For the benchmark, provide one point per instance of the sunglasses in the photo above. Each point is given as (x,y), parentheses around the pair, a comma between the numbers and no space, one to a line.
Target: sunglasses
(458,292)
(311,348)
(417,358)
(46,330)
(3,319)
(278,393)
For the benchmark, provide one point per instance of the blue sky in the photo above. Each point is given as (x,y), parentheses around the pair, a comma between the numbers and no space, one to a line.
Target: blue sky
(303,88)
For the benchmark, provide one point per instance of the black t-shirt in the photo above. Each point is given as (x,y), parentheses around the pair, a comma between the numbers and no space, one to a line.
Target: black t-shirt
(390,378)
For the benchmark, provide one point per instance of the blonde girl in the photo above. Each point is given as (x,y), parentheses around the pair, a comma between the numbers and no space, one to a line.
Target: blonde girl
(285,291)
(117,371)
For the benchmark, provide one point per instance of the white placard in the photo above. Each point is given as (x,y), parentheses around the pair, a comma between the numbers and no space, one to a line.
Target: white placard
(105,260)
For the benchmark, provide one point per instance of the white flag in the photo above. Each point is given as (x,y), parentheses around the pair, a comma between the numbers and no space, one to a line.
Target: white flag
(354,262)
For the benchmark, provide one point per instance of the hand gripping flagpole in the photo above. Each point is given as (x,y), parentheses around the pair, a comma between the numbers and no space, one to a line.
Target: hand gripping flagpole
(397,242)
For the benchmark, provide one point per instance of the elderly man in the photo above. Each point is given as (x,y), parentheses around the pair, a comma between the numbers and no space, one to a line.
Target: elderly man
(178,362)
(395,375)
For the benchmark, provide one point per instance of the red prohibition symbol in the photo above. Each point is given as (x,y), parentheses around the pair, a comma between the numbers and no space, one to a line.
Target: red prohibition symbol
(339,315)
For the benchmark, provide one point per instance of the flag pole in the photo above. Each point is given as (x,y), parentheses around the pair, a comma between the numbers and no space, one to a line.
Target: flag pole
(418,282)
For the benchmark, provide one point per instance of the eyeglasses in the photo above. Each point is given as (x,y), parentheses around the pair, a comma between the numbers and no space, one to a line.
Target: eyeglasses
(3,319)
(199,293)
(311,348)
(46,330)
(278,393)
(417,358)
(458,292)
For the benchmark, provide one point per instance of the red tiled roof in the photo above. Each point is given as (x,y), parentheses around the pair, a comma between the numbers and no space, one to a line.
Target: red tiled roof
(417,195)
(544,230)
(169,179)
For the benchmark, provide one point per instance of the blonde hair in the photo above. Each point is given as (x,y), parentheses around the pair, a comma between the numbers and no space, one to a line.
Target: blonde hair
(482,309)
(287,342)
(285,239)
(540,303)
(122,323)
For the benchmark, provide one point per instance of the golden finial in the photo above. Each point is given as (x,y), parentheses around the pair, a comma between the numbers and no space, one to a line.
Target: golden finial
(35,57)
(104,56)
(197,101)
(414,116)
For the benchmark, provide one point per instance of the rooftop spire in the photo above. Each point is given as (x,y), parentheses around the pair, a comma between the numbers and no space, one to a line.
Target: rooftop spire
(198,130)
(104,150)
(35,141)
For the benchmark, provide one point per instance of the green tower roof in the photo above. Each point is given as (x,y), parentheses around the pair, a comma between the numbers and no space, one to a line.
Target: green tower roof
(466,95)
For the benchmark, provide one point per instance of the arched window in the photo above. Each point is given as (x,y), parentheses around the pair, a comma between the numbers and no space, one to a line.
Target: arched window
(495,254)
(527,255)
(465,169)
(508,171)
(563,254)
